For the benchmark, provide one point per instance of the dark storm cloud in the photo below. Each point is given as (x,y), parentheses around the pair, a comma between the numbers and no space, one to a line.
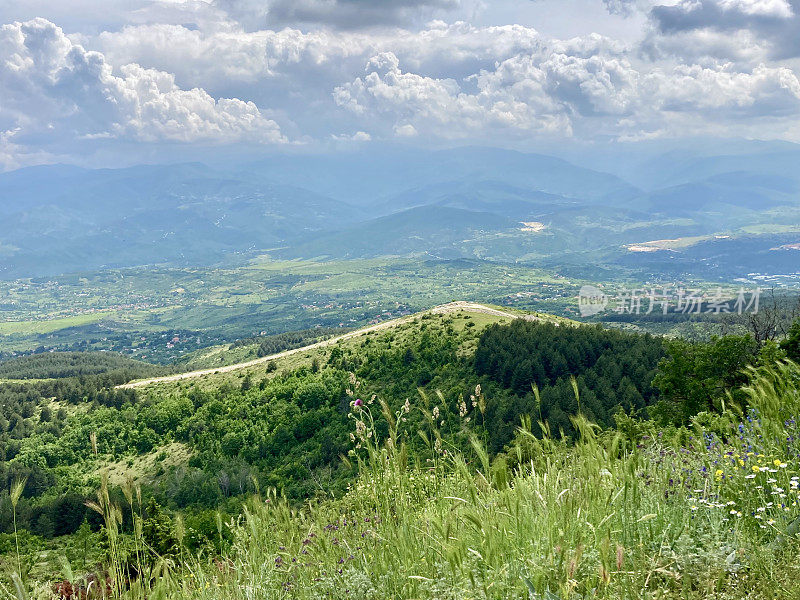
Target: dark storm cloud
(341,14)
(776,22)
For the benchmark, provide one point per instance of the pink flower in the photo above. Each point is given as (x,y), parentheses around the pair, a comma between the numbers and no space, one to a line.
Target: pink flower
(358,402)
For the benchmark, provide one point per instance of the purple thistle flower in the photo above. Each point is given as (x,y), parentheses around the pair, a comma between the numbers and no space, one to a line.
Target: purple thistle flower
(358,402)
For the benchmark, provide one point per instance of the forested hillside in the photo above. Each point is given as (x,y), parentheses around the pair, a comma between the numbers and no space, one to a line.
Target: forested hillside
(613,370)
(438,385)
(288,428)
(61,365)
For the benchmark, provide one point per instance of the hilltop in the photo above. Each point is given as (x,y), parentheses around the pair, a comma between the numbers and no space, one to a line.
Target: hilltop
(471,308)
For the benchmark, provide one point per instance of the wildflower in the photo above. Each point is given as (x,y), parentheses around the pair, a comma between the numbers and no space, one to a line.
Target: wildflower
(755,469)
(361,428)
(462,409)
(751,476)
(358,402)
(771,522)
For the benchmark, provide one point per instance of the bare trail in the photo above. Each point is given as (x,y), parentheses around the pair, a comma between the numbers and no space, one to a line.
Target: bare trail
(438,310)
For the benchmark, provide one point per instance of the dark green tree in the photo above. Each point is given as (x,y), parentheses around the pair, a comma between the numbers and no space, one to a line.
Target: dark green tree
(696,377)
(791,345)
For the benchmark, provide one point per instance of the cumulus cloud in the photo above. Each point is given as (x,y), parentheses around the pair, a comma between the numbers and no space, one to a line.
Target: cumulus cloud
(703,66)
(414,103)
(553,93)
(765,91)
(542,93)
(226,55)
(54,90)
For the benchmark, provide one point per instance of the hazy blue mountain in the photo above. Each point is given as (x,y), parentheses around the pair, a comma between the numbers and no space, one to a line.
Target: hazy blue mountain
(372,178)
(466,202)
(483,196)
(433,230)
(58,219)
(722,192)
(678,167)
(656,164)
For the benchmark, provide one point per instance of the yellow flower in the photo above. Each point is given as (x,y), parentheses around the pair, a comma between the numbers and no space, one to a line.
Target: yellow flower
(741,462)
(776,462)
(755,469)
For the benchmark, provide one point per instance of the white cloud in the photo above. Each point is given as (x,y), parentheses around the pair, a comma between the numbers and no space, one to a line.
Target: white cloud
(560,94)
(186,72)
(55,90)
(768,8)
(765,91)
(358,136)
(405,131)
(416,104)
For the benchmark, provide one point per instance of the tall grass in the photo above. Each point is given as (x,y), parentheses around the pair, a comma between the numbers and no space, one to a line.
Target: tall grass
(709,512)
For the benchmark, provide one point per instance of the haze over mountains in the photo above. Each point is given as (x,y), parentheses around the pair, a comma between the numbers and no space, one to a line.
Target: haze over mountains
(466,202)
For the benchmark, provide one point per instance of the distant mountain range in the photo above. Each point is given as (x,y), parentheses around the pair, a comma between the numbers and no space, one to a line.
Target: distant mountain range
(468,202)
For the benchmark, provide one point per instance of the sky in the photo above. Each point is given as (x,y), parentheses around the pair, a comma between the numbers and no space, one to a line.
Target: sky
(105,82)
